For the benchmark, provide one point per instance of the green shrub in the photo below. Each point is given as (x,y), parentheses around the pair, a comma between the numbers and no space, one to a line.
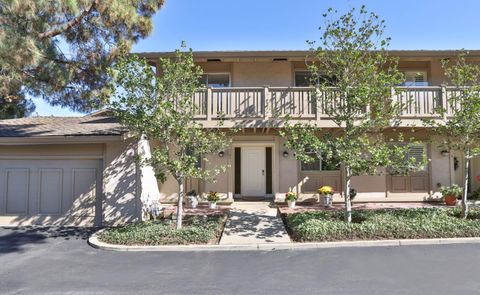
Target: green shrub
(196,230)
(383,224)
(475,195)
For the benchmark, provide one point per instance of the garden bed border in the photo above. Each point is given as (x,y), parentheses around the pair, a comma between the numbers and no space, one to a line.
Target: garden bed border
(96,243)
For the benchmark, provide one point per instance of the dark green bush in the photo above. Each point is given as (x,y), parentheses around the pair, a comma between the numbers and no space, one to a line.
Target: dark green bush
(383,224)
(196,230)
(475,196)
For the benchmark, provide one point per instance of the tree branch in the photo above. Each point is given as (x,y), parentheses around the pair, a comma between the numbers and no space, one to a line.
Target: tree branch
(70,24)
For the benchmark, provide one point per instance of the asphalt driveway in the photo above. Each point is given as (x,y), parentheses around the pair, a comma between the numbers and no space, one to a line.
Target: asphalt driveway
(52,260)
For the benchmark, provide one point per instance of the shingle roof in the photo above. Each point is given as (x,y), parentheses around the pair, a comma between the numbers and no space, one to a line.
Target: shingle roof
(60,126)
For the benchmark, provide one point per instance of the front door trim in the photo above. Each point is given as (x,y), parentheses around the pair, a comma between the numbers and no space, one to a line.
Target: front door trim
(264,144)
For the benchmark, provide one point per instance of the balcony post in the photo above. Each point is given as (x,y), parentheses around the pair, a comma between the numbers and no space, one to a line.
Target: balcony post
(209,99)
(445,107)
(394,101)
(267,111)
(319,104)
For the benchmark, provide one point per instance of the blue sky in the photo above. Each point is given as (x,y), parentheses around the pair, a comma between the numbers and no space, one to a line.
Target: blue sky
(286,24)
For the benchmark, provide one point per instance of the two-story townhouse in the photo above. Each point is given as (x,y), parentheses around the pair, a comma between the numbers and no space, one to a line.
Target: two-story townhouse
(81,171)
(253,90)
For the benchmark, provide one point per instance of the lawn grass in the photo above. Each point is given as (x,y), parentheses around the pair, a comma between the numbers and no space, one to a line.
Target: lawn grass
(383,224)
(196,230)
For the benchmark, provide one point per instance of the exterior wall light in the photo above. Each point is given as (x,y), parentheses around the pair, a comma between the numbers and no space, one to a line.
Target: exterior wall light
(221,154)
(445,153)
(285,154)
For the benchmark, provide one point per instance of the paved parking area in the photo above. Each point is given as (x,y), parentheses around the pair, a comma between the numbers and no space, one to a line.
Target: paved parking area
(59,261)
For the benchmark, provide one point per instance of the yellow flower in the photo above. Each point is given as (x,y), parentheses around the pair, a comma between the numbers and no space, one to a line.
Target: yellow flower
(325,190)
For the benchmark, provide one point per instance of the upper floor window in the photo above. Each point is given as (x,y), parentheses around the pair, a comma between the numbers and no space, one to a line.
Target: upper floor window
(415,78)
(216,79)
(320,164)
(303,78)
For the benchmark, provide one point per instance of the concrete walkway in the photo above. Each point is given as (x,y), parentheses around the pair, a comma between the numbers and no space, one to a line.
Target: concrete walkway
(253,223)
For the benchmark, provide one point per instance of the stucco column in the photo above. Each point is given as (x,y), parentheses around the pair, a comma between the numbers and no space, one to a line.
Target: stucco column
(148,182)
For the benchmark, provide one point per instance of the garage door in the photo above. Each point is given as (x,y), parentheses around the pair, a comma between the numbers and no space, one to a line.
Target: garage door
(59,192)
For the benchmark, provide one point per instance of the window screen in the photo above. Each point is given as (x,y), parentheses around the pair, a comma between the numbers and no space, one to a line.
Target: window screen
(413,78)
(304,79)
(216,80)
(331,164)
(417,152)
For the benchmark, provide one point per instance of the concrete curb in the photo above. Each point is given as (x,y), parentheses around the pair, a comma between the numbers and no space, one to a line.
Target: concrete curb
(96,243)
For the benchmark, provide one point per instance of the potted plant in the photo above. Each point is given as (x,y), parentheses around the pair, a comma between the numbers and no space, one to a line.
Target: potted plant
(326,195)
(291,199)
(191,199)
(213,198)
(451,194)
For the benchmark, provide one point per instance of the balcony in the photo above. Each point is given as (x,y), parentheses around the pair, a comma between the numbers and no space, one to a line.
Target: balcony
(251,107)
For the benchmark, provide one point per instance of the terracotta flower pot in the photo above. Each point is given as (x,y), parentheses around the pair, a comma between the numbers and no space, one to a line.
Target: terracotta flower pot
(450,200)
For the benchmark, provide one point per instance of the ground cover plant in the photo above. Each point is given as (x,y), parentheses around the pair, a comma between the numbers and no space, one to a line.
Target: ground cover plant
(196,230)
(383,224)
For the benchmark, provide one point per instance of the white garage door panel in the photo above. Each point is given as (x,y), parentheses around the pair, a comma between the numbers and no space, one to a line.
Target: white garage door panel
(51,187)
(84,187)
(17,184)
(49,191)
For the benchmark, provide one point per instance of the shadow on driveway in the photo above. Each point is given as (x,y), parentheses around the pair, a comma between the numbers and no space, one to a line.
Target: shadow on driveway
(16,238)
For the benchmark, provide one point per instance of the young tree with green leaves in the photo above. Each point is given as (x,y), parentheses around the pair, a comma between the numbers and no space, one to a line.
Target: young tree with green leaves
(353,77)
(161,108)
(61,50)
(461,130)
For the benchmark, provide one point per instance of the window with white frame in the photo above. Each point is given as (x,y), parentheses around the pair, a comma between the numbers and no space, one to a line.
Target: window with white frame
(415,78)
(303,78)
(215,79)
(320,164)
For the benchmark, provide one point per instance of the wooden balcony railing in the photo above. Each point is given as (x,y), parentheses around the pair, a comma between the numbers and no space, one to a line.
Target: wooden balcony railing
(299,103)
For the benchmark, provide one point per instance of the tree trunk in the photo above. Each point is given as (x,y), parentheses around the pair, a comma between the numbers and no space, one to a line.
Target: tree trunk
(465,187)
(180,203)
(348,203)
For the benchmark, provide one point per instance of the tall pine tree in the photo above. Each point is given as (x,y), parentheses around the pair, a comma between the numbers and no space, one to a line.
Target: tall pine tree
(60,50)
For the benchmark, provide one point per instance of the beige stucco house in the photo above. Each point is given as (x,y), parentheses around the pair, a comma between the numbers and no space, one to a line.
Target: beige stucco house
(81,170)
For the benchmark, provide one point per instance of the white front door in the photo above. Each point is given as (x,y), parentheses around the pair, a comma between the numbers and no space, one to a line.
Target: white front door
(253,172)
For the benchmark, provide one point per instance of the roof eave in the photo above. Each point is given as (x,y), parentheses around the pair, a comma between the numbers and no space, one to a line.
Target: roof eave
(302,54)
(60,139)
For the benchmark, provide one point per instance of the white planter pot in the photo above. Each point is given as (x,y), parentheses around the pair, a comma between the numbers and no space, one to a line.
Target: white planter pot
(191,201)
(326,200)
(291,204)
(212,205)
